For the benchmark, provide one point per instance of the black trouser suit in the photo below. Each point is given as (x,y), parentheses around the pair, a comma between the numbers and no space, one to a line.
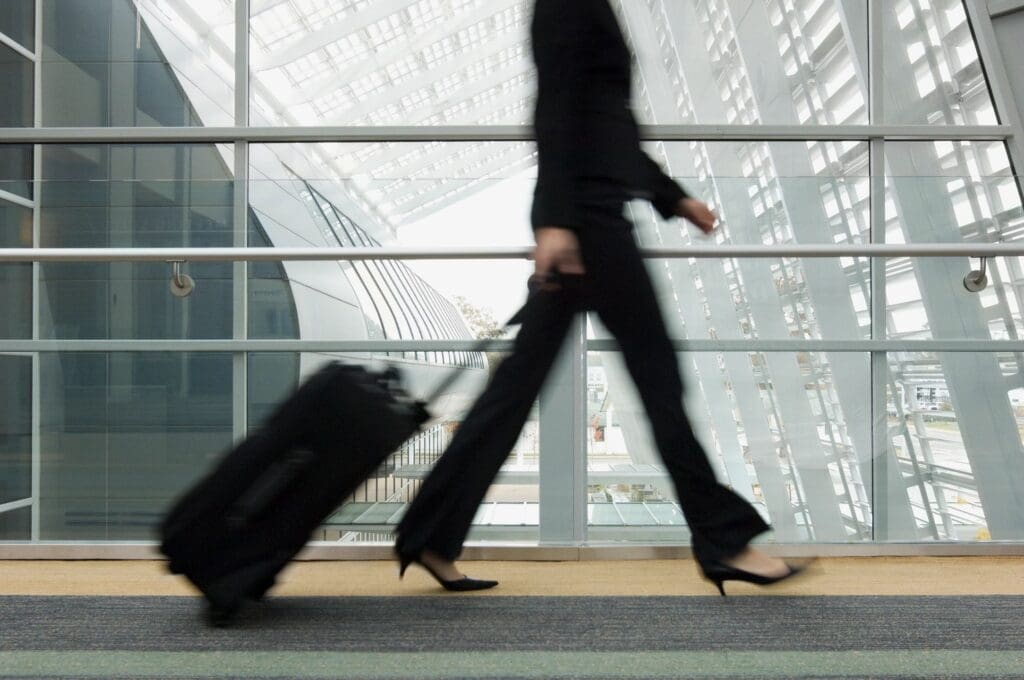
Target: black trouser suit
(618,288)
(590,164)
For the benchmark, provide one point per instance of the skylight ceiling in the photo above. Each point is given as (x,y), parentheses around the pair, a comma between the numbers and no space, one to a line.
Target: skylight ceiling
(387,62)
(467,62)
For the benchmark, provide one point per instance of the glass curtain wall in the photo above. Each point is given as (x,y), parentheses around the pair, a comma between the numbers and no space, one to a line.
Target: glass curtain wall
(794,383)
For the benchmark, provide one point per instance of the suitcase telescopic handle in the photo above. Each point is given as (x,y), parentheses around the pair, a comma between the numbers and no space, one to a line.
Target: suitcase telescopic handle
(453,375)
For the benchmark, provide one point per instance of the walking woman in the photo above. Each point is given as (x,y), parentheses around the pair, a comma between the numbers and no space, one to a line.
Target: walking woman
(586,258)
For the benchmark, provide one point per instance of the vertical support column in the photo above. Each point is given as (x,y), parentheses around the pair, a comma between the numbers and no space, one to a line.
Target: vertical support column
(37,191)
(880,474)
(563,444)
(240,326)
(998,82)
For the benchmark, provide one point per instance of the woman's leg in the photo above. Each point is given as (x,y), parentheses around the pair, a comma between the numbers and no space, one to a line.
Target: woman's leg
(439,518)
(722,522)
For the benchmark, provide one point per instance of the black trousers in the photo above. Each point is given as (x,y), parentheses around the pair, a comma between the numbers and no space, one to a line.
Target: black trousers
(618,287)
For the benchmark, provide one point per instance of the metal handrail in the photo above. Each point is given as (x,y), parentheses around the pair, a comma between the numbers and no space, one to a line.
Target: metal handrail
(99,345)
(977,250)
(490,133)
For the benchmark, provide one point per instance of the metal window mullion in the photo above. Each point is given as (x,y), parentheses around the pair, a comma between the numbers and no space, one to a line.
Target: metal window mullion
(878,359)
(240,214)
(37,191)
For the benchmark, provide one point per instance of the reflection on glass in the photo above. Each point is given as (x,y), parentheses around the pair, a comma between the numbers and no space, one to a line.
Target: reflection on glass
(789,432)
(121,63)
(17,22)
(766,193)
(135,196)
(15,278)
(16,169)
(122,435)
(425,195)
(415,63)
(16,525)
(17,77)
(15,438)
(933,72)
(955,422)
(952,192)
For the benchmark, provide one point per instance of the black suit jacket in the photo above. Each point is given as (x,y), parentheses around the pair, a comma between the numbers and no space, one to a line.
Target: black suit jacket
(587,138)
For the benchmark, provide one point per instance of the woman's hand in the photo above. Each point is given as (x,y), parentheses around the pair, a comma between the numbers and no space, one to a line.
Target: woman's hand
(557,252)
(698,213)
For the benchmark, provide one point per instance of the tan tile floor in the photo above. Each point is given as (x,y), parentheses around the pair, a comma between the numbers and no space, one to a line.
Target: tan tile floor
(833,576)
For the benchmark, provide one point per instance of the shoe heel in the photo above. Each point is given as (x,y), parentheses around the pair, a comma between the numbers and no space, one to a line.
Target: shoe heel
(403,564)
(721,587)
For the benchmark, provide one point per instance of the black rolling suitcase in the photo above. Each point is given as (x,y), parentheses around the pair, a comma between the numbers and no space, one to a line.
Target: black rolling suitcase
(237,528)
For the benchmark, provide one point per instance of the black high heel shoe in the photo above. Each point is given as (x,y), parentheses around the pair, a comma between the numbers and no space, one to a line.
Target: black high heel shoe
(719,572)
(458,585)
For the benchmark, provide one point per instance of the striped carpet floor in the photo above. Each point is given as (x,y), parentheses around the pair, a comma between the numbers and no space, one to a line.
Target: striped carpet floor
(600,638)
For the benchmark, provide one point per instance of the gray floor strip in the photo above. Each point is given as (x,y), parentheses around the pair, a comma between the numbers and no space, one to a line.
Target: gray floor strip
(454,624)
(494,665)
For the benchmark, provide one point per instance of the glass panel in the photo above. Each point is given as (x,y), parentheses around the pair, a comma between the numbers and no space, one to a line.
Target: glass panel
(136,196)
(956,424)
(773,194)
(273,376)
(932,70)
(16,169)
(926,299)
(415,195)
(432,195)
(123,435)
(15,278)
(952,192)
(413,63)
(117,63)
(16,525)
(15,430)
(17,78)
(788,431)
(720,299)
(18,21)
(510,511)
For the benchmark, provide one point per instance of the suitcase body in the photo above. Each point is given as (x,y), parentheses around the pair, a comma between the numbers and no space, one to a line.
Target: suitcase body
(239,526)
